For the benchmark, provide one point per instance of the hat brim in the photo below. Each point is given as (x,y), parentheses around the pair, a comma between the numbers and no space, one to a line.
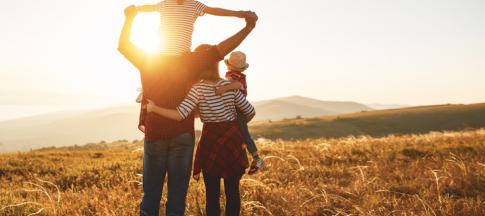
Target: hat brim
(232,67)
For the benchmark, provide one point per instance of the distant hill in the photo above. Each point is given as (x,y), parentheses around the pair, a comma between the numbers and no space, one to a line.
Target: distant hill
(119,122)
(68,128)
(377,106)
(278,110)
(290,107)
(413,120)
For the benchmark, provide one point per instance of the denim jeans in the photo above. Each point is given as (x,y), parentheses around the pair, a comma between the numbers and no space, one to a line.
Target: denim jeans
(243,125)
(162,157)
(213,192)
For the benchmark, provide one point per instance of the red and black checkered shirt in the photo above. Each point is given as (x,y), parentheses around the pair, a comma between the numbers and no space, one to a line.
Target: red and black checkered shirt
(220,151)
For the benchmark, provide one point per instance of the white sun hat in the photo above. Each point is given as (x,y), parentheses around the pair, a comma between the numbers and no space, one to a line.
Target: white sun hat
(237,61)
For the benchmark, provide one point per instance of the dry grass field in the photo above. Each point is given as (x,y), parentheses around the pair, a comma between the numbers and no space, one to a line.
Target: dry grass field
(431,174)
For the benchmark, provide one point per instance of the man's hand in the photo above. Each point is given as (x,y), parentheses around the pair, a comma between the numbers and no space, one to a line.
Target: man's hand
(131,11)
(151,106)
(141,128)
(251,18)
(249,14)
(244,14)
(231,43)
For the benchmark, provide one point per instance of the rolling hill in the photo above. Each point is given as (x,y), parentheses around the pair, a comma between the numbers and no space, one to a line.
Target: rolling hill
(413,120)
(68,128)
(378,106)
(290,107)
(119,122)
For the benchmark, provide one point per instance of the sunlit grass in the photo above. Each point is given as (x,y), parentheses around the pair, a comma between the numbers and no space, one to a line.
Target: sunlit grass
(431,174)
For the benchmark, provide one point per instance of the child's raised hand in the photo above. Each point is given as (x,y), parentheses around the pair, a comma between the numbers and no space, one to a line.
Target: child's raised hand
(131,11)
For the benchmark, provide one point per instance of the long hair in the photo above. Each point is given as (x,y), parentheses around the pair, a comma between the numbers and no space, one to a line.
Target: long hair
(211,73)
(180,2)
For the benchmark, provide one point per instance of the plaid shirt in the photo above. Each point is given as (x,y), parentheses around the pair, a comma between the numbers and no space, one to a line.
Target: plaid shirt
(220,151)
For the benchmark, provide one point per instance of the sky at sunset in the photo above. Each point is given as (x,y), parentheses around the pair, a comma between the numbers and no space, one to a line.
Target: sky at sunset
(62,54)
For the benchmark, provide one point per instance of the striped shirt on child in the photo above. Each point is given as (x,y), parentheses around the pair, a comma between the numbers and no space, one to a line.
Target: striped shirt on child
(177,24)
(212,107)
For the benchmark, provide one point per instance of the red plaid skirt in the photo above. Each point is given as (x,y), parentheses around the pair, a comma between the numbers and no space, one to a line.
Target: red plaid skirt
(220,151)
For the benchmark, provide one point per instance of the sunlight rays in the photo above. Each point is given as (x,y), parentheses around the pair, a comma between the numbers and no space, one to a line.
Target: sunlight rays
(146,32)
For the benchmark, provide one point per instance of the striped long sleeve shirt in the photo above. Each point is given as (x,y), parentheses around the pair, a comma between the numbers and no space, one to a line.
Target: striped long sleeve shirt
(177,24)
(212,107)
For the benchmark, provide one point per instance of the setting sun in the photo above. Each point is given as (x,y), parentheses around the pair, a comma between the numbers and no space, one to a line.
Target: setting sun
(299,108)
(146,32)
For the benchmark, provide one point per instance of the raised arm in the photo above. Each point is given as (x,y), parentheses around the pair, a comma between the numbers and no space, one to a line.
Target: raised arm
(134,54)
(228,45)
(224,12)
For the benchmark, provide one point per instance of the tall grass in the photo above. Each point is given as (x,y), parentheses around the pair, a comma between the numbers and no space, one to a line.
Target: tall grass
(430,174)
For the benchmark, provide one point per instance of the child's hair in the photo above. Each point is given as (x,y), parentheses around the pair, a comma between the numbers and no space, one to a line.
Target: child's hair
(180,1)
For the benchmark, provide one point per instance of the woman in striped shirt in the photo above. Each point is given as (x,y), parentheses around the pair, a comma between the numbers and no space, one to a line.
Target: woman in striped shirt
(220,153)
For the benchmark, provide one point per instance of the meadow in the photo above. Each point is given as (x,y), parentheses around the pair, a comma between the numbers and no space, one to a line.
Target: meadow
(439,173)
(377,123)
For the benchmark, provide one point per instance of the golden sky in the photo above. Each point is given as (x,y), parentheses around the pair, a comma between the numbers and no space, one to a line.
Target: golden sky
(58,54)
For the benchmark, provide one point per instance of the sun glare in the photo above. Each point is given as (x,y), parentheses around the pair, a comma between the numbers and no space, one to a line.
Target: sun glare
(146,32)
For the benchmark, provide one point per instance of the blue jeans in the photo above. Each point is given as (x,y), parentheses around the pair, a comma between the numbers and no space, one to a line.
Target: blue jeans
(162,157)
(243,125)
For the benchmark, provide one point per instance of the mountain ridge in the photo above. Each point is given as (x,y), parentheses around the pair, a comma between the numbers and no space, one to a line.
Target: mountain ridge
(120,122)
